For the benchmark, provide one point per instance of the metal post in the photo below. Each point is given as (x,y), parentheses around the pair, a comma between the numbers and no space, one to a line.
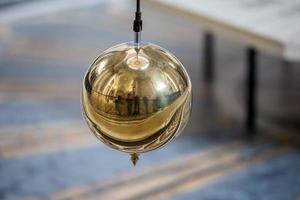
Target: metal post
(251,90)
(209,57)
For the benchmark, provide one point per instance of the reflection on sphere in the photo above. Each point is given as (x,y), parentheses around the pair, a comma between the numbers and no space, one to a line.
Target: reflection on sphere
(136,101)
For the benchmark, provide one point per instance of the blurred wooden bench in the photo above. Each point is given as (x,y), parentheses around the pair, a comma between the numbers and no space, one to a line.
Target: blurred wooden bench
(271,26)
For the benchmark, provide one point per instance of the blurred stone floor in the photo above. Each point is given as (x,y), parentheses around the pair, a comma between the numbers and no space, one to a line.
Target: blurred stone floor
(47,151)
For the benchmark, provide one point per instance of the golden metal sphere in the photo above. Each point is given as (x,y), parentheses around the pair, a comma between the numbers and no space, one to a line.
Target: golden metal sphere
(136,100)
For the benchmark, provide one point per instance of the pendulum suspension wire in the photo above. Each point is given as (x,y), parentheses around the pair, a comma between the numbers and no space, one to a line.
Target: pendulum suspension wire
(137,25)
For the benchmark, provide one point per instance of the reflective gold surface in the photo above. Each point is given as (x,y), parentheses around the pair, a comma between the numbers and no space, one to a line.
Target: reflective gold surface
(136,102)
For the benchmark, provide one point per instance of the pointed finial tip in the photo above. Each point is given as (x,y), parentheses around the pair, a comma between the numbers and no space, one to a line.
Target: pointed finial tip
(134,158)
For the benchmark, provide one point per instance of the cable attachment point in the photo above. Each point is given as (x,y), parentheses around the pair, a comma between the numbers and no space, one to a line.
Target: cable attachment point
(137,25)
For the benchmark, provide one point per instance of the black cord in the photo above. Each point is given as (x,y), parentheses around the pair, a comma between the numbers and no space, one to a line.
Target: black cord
(138,6)
(138,23)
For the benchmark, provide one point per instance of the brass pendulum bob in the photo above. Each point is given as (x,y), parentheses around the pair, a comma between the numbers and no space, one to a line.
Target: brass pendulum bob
(136,97)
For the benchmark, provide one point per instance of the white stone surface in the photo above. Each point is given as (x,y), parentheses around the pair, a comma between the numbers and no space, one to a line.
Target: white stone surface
(274,20)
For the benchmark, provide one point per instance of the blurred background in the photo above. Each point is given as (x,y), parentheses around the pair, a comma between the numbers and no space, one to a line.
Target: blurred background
(47,151)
